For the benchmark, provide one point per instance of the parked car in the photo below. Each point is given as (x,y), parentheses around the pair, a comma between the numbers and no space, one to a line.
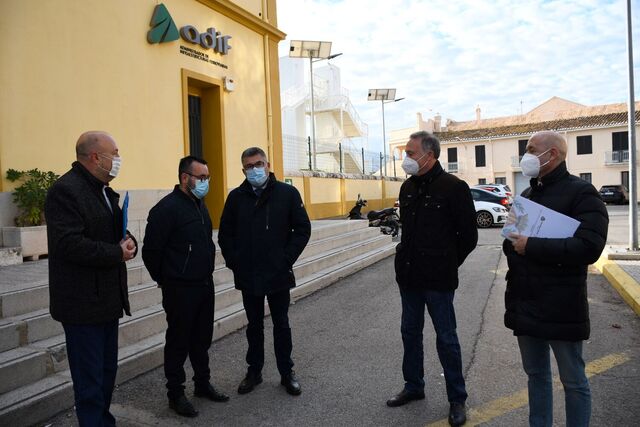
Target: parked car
(488,196)
(502,190)
(489,214)
(617,194)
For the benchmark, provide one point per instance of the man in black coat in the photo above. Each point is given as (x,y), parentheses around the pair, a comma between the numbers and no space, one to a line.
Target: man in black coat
(438,233)
(546,297)
(87,272)
(180,255)
(263,230)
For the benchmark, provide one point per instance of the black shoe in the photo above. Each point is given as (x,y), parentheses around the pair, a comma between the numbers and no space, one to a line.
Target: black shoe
(210,393)
(290,382)
(183,407)
(403,398)
(249,382)
(457,414)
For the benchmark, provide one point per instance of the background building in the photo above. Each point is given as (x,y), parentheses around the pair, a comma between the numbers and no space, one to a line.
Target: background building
(204,82)
(489,150)
(341,136)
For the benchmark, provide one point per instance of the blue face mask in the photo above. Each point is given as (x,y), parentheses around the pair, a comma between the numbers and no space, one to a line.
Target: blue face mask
(257,176)
(201,189)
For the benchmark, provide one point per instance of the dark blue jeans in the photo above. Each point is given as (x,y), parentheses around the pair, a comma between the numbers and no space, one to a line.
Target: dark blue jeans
(92,351)
(279,307)
(537,365)
(443,317)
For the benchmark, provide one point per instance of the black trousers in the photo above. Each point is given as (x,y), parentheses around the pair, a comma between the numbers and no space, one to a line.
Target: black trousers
(92,351)
(189,313)
(279,307)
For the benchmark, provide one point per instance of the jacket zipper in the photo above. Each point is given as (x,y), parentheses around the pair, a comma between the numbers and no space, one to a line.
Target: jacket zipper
(187,260)
(267,217)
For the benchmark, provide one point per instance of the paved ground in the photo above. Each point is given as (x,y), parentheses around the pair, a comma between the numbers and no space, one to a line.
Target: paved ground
(348,350)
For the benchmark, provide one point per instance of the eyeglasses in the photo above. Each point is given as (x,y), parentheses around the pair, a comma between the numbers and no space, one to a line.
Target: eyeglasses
(258,164)
(201,178)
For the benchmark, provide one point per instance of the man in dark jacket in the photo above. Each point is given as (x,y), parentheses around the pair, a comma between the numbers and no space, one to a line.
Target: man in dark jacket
(438,233)
(87,272)
(263,230)
(180,254)
(546,297)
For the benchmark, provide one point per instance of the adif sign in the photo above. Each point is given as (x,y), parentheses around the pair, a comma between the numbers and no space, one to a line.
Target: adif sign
(163,30)
(211,39)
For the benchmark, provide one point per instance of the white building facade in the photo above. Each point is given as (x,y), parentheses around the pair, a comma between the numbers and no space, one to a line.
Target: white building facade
(489,150)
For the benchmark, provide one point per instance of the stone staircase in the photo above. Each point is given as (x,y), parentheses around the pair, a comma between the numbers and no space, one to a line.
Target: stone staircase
(35,382)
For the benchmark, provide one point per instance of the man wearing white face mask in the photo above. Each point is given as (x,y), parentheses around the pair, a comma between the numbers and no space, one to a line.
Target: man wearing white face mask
(546,296)
(438,233)
(263,230)
(180,254)
(87,272)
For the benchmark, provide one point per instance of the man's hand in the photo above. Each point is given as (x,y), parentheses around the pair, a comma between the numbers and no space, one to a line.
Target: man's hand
(519,242)
(128,249)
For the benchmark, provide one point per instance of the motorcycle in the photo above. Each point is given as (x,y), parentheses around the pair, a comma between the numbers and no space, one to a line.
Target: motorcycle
(387,219)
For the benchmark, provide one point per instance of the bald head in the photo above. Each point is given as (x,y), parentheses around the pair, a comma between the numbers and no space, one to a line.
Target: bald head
(550,147)
(95,151)
(550,139)
(91,142)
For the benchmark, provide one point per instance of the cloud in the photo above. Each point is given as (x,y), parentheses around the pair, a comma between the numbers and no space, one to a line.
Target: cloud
(449,56)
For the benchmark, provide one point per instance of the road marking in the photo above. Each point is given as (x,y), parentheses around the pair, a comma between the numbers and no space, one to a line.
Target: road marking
(501,406)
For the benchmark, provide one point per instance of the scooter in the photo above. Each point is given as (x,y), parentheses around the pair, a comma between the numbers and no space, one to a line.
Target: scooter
(387,219)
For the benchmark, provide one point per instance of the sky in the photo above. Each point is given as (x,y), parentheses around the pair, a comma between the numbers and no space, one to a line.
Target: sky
(449,56)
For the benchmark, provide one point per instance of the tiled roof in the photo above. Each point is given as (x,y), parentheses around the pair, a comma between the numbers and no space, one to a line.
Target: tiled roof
(585,122)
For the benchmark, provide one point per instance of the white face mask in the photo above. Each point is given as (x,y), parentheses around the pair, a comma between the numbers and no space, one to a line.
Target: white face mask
(410,166)
(116,163)
(530,164)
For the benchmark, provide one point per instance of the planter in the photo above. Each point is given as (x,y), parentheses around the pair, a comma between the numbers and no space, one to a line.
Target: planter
(32,240)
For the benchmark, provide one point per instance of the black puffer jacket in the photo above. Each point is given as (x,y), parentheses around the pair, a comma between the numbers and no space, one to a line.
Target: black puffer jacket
(87,277)
(438,230)
(546,293)
(178,242)
(261,238)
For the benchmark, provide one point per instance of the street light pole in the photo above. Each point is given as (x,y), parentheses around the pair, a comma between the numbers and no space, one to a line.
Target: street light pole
(313,116)
(384,96)
(384,143)
(311,49)
(633,190)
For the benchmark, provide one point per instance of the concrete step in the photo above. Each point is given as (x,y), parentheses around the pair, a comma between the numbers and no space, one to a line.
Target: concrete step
(43,398)
(33,295)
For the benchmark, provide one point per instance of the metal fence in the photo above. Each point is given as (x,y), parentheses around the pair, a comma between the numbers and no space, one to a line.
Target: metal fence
(332,156)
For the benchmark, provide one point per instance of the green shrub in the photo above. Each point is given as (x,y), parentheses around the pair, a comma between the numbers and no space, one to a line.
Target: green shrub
(30,195)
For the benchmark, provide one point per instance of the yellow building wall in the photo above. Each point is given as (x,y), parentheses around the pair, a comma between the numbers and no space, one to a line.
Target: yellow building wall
(71,66)
(334,197)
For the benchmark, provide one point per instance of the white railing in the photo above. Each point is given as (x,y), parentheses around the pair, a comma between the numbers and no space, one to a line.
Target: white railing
(515,162)
(452,167)
(616,157)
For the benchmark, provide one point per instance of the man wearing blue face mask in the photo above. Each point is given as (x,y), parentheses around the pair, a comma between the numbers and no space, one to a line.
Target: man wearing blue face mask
(263,230)
(179,253)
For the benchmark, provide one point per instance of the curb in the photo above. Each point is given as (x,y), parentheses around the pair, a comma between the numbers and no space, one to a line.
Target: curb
(626,286)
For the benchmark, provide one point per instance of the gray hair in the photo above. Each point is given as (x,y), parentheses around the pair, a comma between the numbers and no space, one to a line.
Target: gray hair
(428,141)
(252,151)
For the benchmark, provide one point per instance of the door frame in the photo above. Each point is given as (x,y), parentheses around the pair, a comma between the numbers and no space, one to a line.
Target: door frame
(210,90)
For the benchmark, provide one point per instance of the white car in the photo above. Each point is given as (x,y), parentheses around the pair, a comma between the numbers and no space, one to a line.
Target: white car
(501,190)
(489,214)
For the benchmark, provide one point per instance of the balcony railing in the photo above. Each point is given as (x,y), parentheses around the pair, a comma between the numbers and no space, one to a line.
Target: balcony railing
(452,167)
(616,157)
(515,162)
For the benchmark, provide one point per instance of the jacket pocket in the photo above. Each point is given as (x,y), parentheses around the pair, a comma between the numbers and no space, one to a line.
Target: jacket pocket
(186,261)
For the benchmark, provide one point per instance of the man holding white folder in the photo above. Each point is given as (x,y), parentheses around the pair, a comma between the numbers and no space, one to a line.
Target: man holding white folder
(546,297)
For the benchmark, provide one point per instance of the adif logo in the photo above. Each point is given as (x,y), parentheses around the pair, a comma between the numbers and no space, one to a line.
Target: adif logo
(165,30)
